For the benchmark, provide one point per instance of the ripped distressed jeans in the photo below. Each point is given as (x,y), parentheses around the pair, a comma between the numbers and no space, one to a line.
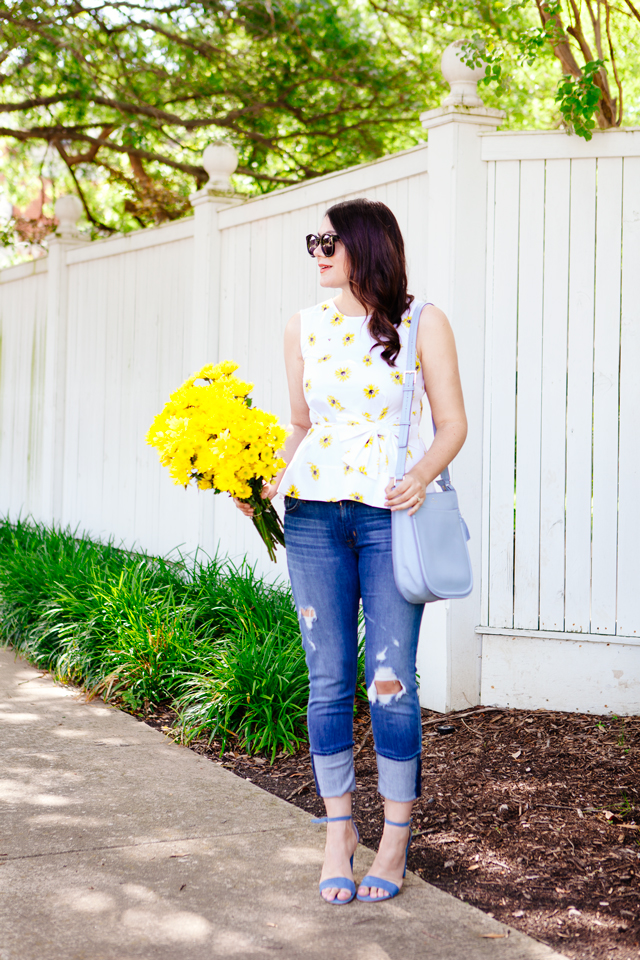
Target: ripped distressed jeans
(338,553)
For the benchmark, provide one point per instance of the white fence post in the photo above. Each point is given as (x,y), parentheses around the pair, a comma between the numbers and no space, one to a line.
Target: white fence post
(202,334)
(68,210)
(449,655)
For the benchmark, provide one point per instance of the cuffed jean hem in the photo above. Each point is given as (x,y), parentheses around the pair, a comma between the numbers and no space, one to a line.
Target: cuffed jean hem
(334,774)
(399,780)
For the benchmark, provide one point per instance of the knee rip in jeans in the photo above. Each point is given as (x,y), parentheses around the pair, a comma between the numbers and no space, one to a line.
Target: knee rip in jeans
(386,687)
(308,614)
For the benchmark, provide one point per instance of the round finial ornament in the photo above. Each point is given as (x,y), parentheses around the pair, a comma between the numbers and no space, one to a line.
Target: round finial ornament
(462,78)
(68,210)
(220,160)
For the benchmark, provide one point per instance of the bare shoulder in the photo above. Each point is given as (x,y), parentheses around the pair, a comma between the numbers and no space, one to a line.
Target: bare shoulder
(436,343)
(433,318)
(292,331)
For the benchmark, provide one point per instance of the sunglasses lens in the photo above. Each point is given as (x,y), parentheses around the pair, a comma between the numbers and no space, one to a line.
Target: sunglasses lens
(328,245)
(312,243)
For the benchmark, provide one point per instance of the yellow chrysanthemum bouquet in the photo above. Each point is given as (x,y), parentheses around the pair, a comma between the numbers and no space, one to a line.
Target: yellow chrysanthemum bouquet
(210,435)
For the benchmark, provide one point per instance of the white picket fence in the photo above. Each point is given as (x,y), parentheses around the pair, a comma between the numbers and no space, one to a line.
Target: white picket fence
(530,242)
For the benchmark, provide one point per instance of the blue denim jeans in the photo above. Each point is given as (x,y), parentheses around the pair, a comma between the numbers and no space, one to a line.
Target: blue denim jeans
(338,553)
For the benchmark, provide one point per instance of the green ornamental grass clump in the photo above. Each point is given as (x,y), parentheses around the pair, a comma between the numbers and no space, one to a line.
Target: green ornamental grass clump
(211,639)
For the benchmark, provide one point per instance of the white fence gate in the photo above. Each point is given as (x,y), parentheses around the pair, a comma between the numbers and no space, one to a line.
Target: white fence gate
(561,458)
(530,242)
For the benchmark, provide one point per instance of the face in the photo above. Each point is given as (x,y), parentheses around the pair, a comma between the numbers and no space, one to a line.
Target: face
(333,270)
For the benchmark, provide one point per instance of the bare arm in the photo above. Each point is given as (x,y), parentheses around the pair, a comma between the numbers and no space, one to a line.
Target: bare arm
(300,420)
(437,352)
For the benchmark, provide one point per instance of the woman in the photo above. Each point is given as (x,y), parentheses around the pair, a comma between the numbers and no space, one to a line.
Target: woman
(345,360)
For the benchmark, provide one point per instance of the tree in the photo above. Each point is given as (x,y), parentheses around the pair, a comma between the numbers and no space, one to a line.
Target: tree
(116,99)
(584,36)
(129,93)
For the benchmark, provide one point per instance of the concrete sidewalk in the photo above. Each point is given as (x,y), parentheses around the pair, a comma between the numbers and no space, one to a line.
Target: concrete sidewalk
(117,844)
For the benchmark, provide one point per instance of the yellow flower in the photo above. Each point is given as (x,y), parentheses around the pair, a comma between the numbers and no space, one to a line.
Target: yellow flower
(343,373)
(367,359)
(326,440)
(418,364)
(334,403)
(366,415)
(208,435)
(363,469)
(369,442)
(409,454)
(326,357)
(396,376)
(407,321)
(348,338)
(336,319)
(293,491)
(307,385)
(331,500)
(357,497)
(325,306)
(347,469)
(383,413)
(371,391)
(311,339)
(315,473)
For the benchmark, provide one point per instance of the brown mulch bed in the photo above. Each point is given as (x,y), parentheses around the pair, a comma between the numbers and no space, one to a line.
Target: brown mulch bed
(534,817)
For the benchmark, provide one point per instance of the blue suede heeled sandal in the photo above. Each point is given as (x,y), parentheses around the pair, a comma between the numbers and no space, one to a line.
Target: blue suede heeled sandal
(392,888)
(342,883)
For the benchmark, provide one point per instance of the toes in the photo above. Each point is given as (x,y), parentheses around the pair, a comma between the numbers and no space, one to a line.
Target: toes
(330,893)
(344,894)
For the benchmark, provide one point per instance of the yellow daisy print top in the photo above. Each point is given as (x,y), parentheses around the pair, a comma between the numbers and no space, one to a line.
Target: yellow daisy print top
(355,400)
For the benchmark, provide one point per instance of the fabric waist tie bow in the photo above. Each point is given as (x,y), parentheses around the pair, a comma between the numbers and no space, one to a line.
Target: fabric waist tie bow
(369,445)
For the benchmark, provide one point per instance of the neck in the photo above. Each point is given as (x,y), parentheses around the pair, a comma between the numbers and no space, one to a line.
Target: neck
(346,303)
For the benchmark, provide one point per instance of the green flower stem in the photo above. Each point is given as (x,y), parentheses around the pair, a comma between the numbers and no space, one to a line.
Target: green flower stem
(266,521)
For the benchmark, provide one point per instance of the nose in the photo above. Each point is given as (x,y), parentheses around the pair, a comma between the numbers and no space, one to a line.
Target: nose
(318,251)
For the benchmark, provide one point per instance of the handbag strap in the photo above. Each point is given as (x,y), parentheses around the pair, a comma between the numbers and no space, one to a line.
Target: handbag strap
(408,386)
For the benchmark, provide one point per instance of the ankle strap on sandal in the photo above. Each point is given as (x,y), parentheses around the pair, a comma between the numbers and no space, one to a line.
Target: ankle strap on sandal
(329,819)
(392,823)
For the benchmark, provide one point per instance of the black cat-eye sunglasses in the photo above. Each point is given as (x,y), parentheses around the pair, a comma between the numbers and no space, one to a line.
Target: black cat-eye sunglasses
(327,243)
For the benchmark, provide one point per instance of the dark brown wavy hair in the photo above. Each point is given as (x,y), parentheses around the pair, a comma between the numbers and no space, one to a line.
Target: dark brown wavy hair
(377,267)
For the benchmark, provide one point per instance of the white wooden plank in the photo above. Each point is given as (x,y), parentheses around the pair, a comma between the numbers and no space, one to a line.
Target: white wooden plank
(526,673)
(355,180)
(488,367)
(73,399)
(529,391)
(554,395)
(601,638)
(151,237)
(416,235)
(629,475)
(605,397)
(503,386)
(580,395)
(556,145)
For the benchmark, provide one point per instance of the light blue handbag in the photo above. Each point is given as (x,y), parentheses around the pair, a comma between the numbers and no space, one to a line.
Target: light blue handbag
(430,554)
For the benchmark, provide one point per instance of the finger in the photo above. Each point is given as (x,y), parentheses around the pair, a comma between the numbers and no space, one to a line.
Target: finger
(398,491)
(403,496)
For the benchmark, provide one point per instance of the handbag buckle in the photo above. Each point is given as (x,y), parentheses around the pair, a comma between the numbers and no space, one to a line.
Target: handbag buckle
(409,373)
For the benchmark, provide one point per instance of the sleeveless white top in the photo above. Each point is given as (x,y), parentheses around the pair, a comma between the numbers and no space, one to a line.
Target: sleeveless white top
(355,400)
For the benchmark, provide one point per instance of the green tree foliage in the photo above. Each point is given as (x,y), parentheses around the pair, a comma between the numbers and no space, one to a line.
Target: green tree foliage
(586,38)
(116,99)
(130,93)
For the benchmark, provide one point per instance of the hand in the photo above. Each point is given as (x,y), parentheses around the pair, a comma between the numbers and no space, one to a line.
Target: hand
(409,494)
(268,490)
